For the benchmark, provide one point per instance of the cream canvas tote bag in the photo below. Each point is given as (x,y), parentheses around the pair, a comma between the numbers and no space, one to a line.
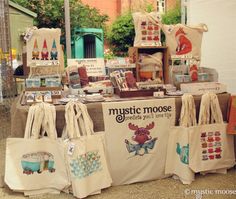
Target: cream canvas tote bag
(37,165)
(184,41)
(211,148)
(85,153)
(177,160)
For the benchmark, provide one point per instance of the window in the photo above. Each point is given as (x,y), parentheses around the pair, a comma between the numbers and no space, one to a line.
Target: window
(161,5)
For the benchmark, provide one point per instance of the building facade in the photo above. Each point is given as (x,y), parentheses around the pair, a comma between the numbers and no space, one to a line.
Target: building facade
(114,8)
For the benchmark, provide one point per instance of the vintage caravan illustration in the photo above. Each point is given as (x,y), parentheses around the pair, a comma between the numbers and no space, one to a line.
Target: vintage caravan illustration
(37,162)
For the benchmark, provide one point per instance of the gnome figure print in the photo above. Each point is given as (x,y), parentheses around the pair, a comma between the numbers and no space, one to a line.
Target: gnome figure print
(184,45)
(44,53)
(54,52)
(35,51)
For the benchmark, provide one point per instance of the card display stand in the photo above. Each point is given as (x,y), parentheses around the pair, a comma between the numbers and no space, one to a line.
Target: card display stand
(134,56)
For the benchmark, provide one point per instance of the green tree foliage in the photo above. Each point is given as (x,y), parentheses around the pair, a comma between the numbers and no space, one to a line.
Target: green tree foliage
(121,34)
(51,14)
(172,16)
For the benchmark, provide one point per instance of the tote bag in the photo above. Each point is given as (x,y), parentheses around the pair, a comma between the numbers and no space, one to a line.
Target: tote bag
(86,160)
(33,164)
(210,146)
(43,47)
(136,135)
(177,160)
(147,29)
(184,41)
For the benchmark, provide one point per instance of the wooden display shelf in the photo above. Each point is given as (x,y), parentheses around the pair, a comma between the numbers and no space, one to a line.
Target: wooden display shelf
(134,55)
(44,89)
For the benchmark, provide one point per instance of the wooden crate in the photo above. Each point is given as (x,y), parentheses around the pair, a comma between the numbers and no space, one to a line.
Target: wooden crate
(134,55)
(137,93)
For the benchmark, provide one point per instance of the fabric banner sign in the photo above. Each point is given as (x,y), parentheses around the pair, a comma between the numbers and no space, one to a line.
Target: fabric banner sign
(43,47)
(136,134)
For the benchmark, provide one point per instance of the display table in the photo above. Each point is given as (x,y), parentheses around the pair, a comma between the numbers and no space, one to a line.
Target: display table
(19,114)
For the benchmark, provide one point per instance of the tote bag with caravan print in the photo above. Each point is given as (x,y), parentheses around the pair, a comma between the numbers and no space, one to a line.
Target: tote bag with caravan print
(211,148)
(85,154)
(184,41)
(136,135)
(177,160)
(36,165)
(147,29)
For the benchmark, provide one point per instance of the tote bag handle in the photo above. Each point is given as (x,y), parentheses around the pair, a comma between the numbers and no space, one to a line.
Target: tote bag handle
(41,115)
(167,29)
(78,121)
(210,111)
(188,111)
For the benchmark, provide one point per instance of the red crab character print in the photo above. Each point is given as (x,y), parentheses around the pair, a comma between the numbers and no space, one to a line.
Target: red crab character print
(144,141)
(184,45)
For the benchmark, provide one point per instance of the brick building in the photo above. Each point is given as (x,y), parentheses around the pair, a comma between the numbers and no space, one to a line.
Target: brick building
(113,8)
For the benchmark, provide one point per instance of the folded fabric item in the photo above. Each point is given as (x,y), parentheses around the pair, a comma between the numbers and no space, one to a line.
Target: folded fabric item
(83,76)
(231,128)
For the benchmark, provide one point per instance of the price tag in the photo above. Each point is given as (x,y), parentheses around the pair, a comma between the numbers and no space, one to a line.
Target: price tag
(71,148)
(28,35)
(158,94)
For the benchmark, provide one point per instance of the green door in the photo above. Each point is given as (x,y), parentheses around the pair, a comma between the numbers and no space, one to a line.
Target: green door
(79,48)
(99,48)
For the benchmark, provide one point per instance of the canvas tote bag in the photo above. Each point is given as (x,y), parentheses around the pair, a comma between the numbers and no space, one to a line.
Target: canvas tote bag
(86,160)
(211,148)
(184,41)
(177,160)
(147,29)
(34,165)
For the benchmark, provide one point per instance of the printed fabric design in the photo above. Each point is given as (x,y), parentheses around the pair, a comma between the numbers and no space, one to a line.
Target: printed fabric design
(150,32)
(86,164)
(37,162)
(143,139)
(44,51)
(183,153)
(211,145)
(184,45)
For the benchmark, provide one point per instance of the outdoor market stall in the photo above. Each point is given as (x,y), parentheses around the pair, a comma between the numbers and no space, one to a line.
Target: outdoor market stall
(135,107)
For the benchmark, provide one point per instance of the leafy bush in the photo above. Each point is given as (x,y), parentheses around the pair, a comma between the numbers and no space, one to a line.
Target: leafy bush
(50,14)
(121,34)
(172,16)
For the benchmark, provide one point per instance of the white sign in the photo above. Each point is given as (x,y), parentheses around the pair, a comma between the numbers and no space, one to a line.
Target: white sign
(95,67)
